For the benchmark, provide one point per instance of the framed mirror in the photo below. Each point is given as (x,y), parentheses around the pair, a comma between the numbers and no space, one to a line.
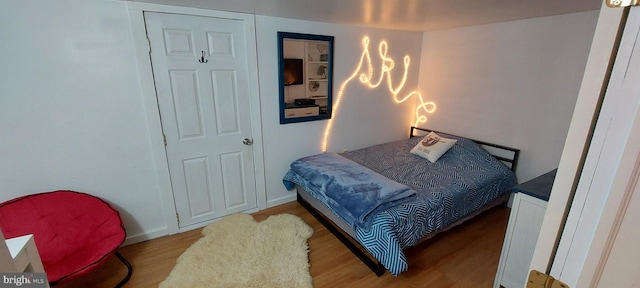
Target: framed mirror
(305,70)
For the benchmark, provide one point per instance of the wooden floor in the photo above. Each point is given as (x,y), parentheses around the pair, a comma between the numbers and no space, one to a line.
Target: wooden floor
(466,256)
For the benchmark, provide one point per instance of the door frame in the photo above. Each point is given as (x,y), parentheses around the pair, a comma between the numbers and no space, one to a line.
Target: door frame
(590,175)
(583,256)
(147,86)
(578,138)
(626,179)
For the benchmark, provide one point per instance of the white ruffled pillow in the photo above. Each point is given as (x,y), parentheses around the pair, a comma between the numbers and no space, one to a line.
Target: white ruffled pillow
(433,146)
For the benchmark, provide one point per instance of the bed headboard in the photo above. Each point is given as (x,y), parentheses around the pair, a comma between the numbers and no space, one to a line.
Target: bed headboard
(507,155)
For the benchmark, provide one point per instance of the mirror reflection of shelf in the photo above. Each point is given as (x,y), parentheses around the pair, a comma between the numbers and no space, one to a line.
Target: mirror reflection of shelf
(317,51)
(316,88)
(317,69)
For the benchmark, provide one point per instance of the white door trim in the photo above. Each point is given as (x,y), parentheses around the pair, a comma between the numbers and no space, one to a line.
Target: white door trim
(622,190)
(577,138)
(610,191)
(139,35)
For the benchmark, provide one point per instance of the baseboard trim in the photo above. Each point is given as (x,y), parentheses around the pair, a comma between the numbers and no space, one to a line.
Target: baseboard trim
(282,200)
(165,231)
(145,236)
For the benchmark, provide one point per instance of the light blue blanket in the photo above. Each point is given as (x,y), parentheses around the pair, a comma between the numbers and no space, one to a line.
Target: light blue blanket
(353,191)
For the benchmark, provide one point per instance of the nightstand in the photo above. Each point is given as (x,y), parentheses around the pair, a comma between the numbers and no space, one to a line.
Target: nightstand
(525,220)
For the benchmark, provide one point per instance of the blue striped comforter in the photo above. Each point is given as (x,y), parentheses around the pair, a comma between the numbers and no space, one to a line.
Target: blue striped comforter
(463,180)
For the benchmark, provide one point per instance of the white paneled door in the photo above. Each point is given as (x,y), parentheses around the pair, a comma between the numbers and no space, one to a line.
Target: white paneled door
(201,76)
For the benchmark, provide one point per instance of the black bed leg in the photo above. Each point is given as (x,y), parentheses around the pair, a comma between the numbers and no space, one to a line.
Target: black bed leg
(379,269)
(347,240)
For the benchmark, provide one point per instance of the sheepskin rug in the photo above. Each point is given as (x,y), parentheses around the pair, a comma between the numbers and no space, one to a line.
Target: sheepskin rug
(237,251)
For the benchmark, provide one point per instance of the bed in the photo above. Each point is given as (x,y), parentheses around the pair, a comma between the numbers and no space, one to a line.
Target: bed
(413,199)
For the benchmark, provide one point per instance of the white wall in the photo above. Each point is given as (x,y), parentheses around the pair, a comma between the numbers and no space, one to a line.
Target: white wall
(512,83)
(365,117)
(72,114)
(71,111)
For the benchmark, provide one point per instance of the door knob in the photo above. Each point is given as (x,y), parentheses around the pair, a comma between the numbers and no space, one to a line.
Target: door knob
(247,141)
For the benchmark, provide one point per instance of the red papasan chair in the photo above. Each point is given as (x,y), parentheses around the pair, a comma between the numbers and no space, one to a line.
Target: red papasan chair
(74,232)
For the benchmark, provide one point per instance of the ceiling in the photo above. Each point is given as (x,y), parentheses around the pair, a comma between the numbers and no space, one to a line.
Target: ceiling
(411,15)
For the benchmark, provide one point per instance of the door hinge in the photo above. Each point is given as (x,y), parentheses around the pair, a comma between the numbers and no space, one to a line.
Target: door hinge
(149,44)
(622,3)
(164,139)
(178,217)
(538,279)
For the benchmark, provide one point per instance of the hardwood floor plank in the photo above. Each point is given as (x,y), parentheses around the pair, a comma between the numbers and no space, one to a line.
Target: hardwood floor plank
(466,256)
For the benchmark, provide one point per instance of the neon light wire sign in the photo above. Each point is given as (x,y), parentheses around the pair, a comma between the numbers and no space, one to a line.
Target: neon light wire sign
(366,78)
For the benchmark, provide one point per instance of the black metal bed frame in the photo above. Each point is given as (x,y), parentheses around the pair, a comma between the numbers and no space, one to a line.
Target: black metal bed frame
(355,246)
(346,239)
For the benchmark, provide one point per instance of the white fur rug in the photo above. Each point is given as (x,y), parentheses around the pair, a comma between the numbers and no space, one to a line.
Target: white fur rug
(237,251)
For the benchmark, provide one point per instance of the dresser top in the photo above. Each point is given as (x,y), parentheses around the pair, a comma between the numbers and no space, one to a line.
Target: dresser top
(539,187)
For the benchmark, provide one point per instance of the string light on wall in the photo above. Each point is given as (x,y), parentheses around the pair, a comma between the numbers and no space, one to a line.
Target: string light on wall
(366,78)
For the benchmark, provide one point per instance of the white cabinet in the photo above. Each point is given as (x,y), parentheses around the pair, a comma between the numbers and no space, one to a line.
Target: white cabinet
(525,220)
